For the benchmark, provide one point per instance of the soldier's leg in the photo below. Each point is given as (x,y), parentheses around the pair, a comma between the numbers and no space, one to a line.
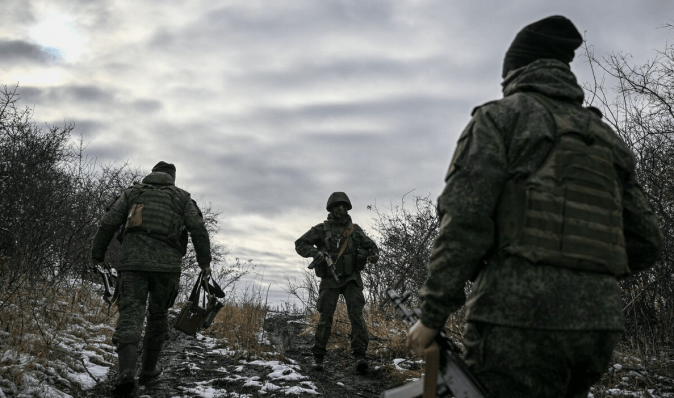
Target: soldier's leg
(517,362)
(355,301)
(133,291)
(592,353)
(326,305)
(163,290)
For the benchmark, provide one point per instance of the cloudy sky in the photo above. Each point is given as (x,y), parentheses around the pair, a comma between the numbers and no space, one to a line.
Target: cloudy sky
(268,106)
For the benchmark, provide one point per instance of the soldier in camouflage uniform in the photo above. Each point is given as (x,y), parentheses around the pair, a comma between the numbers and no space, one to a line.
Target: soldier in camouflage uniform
(330,237)
(150,264)
(542,210)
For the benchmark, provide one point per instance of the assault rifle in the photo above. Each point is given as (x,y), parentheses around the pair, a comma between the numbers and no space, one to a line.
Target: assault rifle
(109,276)
(328,260)
(453,377)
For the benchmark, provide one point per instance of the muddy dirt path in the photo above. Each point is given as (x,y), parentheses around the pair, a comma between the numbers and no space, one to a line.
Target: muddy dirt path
(194,367)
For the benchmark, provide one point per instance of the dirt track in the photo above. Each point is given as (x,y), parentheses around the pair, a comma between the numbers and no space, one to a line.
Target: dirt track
(188,361)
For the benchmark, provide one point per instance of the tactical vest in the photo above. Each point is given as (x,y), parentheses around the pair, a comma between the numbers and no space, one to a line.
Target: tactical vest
(345,264)
(568,213)
(161,214)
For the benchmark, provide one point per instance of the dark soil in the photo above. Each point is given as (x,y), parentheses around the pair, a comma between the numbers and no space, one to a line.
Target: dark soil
(186,362)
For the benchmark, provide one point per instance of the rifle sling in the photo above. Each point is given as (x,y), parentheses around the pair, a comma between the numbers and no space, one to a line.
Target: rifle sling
(432,359)
(347,231)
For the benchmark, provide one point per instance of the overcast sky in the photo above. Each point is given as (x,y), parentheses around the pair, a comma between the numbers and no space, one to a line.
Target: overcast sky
(267,107)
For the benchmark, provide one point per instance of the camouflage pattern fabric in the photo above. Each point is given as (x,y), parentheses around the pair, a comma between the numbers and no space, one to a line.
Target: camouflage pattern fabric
(314,239)
(350,284)
(518,362)
(508,140)
(326,305)
(135,287)
(143,252)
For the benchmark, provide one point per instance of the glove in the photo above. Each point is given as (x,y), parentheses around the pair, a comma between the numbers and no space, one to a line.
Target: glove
(373,259)
(419,337)
(319,256)
(207,272)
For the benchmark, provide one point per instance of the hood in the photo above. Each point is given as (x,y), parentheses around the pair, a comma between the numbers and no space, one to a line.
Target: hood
(546,76)
(159,178)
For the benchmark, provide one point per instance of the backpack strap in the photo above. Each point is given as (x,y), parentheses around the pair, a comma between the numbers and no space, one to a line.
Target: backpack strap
(328,233)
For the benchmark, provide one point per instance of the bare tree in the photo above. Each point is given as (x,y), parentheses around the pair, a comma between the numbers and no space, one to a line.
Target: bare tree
(639,107)
(405,237)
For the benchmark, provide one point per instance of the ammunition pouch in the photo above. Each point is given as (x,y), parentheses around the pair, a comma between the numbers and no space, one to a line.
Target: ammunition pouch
(321,269)
(361,259)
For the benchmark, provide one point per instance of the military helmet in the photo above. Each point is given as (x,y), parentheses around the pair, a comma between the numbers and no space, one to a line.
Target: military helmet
(338,197)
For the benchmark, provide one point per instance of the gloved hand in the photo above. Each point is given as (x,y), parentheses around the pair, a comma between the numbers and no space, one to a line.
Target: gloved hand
(207,272)
(319,256)
(419,337)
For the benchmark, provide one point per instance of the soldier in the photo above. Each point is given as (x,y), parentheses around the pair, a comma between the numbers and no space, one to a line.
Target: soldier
(350,249)
(542,210)
(157,216)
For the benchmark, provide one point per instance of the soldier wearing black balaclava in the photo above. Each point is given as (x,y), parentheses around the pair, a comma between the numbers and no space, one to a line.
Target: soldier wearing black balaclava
(338,234)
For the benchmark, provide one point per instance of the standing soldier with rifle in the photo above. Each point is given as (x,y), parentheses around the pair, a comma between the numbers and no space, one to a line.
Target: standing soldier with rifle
(156,216)
(542,209)
(344,244)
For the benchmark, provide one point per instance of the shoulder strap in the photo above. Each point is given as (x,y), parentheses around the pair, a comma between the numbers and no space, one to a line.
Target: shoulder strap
(328,233)
(347,235)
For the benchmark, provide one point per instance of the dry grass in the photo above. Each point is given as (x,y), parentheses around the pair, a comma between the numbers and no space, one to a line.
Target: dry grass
(40,322)
(239,324)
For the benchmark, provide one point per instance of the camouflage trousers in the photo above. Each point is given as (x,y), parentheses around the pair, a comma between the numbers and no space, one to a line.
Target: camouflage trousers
(326,305)
(135,287)
(518,362)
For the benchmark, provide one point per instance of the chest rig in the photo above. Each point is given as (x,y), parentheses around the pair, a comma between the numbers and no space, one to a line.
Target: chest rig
(568,213)
(155,210)
(340,247)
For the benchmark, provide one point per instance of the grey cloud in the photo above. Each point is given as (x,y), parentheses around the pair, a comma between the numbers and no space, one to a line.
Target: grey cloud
(61,94)
(147,106)
(13,51)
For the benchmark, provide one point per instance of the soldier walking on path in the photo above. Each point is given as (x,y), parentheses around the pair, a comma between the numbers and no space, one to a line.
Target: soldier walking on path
(350,249)
(541,208)
(156,216)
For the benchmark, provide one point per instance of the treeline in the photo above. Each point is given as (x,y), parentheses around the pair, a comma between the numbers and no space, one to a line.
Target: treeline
(52,197)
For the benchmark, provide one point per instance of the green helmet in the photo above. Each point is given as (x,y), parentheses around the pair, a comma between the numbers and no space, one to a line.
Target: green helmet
(338,197)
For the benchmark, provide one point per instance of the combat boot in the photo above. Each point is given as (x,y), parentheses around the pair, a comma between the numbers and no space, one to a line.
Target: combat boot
(318,364)
(361,364)
(149,368)
(126,358)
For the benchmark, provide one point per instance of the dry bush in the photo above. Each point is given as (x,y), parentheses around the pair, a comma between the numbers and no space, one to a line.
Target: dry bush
(42,324)
(638,107)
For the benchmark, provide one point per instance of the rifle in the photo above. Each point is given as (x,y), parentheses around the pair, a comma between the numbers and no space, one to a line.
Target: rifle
(109,276)
(331,265)
(453,376)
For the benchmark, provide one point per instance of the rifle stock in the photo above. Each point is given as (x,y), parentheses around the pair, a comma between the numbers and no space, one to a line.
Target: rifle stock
(453,376)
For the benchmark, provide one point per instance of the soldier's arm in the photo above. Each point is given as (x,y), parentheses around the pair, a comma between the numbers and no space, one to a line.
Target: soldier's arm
(643,238)
(366,243)
(113,218)
(474,181)
(194,222)
(306,245)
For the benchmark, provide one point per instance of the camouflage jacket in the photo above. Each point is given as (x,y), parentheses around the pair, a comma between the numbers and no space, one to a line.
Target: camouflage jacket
(142,252)
(507,140)
(359,244)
